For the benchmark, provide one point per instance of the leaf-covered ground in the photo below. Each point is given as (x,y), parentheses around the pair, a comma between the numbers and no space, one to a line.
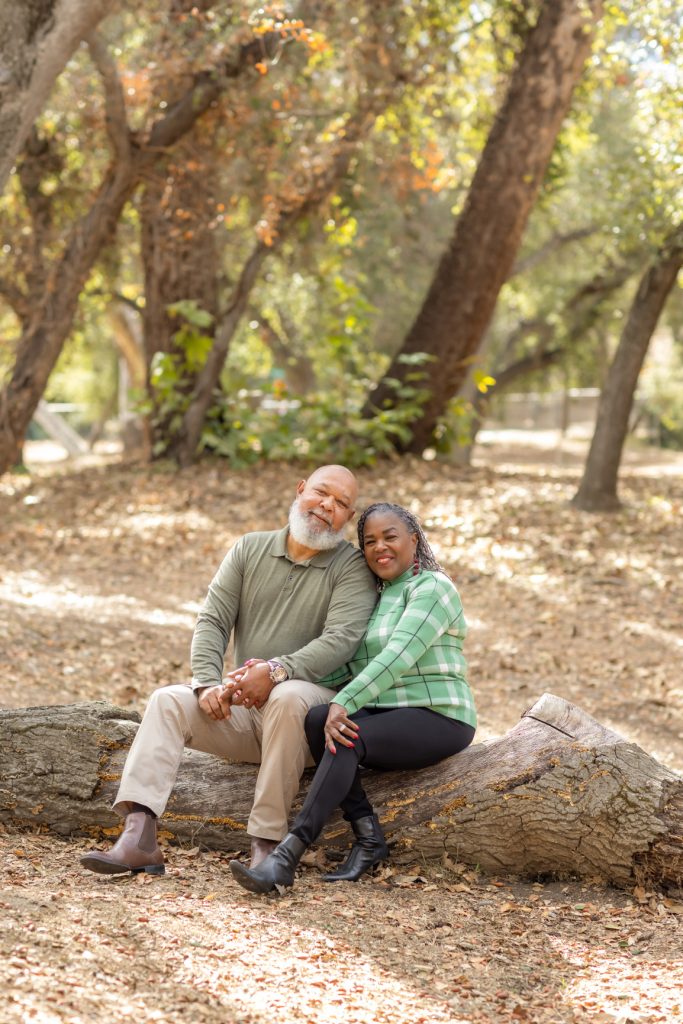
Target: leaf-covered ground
(102,572)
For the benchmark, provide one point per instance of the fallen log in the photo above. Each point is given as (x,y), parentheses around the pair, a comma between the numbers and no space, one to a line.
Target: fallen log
(558,795)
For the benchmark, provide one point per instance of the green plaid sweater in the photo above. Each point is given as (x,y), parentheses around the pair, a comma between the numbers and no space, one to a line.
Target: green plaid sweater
(411,655)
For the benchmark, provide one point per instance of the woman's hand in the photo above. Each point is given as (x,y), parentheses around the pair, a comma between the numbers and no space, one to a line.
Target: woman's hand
(339,728)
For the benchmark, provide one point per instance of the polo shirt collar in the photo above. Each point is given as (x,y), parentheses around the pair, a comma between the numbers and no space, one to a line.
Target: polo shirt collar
(278,549)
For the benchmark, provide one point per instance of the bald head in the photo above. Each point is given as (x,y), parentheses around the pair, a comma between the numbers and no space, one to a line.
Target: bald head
(324,504)
(339,477)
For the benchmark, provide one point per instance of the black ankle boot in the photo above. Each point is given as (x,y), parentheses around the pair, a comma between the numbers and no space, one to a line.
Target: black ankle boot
(369,849)
(277,869)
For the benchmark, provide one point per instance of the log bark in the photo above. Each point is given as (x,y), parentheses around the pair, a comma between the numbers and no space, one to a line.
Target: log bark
(558,795)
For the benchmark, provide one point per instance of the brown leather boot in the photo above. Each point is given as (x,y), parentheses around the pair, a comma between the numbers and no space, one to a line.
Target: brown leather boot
(135,850)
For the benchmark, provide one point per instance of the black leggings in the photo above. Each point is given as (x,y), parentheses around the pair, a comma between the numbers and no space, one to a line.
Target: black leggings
(388,739)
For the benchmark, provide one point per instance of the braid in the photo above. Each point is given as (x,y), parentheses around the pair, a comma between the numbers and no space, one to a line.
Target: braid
(424,553)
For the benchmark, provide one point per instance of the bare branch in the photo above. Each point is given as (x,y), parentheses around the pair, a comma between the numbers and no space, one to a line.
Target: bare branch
(15,299)
(534,259)
(115,104)
(207,87)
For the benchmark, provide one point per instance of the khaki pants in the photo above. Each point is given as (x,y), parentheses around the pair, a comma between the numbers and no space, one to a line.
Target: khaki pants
(272,737)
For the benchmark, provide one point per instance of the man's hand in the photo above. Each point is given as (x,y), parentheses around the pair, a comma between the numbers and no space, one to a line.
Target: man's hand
(252,684)
(215,701)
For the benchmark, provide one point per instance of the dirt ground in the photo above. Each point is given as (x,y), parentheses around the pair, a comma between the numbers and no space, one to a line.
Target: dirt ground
(102,571)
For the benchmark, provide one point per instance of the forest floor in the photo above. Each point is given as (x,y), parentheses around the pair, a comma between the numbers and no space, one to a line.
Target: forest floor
(103,570)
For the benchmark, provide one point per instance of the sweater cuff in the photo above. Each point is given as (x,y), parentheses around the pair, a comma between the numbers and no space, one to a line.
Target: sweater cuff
(202,684)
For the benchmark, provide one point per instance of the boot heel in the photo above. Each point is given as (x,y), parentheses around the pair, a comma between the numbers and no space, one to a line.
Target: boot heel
(151,869)
(369,850)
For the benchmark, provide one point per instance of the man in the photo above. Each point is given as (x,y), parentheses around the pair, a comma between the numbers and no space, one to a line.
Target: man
(298,600)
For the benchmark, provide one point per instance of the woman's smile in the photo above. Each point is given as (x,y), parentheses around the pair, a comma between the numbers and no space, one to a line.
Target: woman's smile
(388,545)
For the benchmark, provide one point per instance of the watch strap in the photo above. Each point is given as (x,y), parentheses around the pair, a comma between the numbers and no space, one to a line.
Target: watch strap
(278,672)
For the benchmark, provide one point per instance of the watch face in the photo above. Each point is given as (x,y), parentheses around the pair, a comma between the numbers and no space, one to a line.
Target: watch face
(278,673)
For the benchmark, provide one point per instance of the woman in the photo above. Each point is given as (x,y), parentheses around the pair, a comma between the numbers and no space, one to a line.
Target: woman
(407,705)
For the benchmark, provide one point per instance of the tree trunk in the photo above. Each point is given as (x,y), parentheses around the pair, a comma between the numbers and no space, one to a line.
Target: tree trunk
(598,488)
(559,794)
(178,246)
(41,342)
(37,40)
(179,257)
(53,310)
(460,302)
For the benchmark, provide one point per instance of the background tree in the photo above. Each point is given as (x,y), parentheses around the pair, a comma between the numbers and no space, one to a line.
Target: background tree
(36,42)
(274,328)
(132,156)
(598,487)
(461,299)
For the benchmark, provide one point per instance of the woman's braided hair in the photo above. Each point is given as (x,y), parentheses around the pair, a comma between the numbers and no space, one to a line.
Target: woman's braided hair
(423,552)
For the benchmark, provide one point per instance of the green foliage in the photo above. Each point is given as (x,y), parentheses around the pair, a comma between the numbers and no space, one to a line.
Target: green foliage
(267,424)
(346,285)
(86,373)
(173,373)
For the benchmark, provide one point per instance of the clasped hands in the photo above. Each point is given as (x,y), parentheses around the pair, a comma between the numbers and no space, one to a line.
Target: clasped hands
(249,685)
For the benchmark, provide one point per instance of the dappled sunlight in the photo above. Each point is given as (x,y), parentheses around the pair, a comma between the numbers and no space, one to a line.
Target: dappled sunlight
(626,985)
(662,636)
(67,597)
(148,522)
(295,973)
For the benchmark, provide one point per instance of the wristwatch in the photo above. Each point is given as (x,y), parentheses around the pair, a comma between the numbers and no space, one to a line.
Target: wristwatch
(278,672)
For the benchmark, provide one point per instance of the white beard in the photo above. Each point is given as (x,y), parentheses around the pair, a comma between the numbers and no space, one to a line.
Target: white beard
(310,532)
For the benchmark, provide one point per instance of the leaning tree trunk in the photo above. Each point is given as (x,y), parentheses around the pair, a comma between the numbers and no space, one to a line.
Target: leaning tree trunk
(559,794)
(460,302)
(41,342)
(598,488)
(37,40)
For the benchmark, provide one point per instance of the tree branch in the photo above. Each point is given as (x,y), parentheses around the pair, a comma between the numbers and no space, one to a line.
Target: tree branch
(116,120)
(533,259)
(15,299)
(207,87)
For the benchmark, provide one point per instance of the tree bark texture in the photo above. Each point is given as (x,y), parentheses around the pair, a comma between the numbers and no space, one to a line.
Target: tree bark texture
(37,40)
(598,488)
(460,302)
(53,310)
(557,795)
(179,256)
(178,246)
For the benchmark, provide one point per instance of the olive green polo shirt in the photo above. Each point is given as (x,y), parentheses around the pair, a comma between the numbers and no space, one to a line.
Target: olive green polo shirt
(308,615)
